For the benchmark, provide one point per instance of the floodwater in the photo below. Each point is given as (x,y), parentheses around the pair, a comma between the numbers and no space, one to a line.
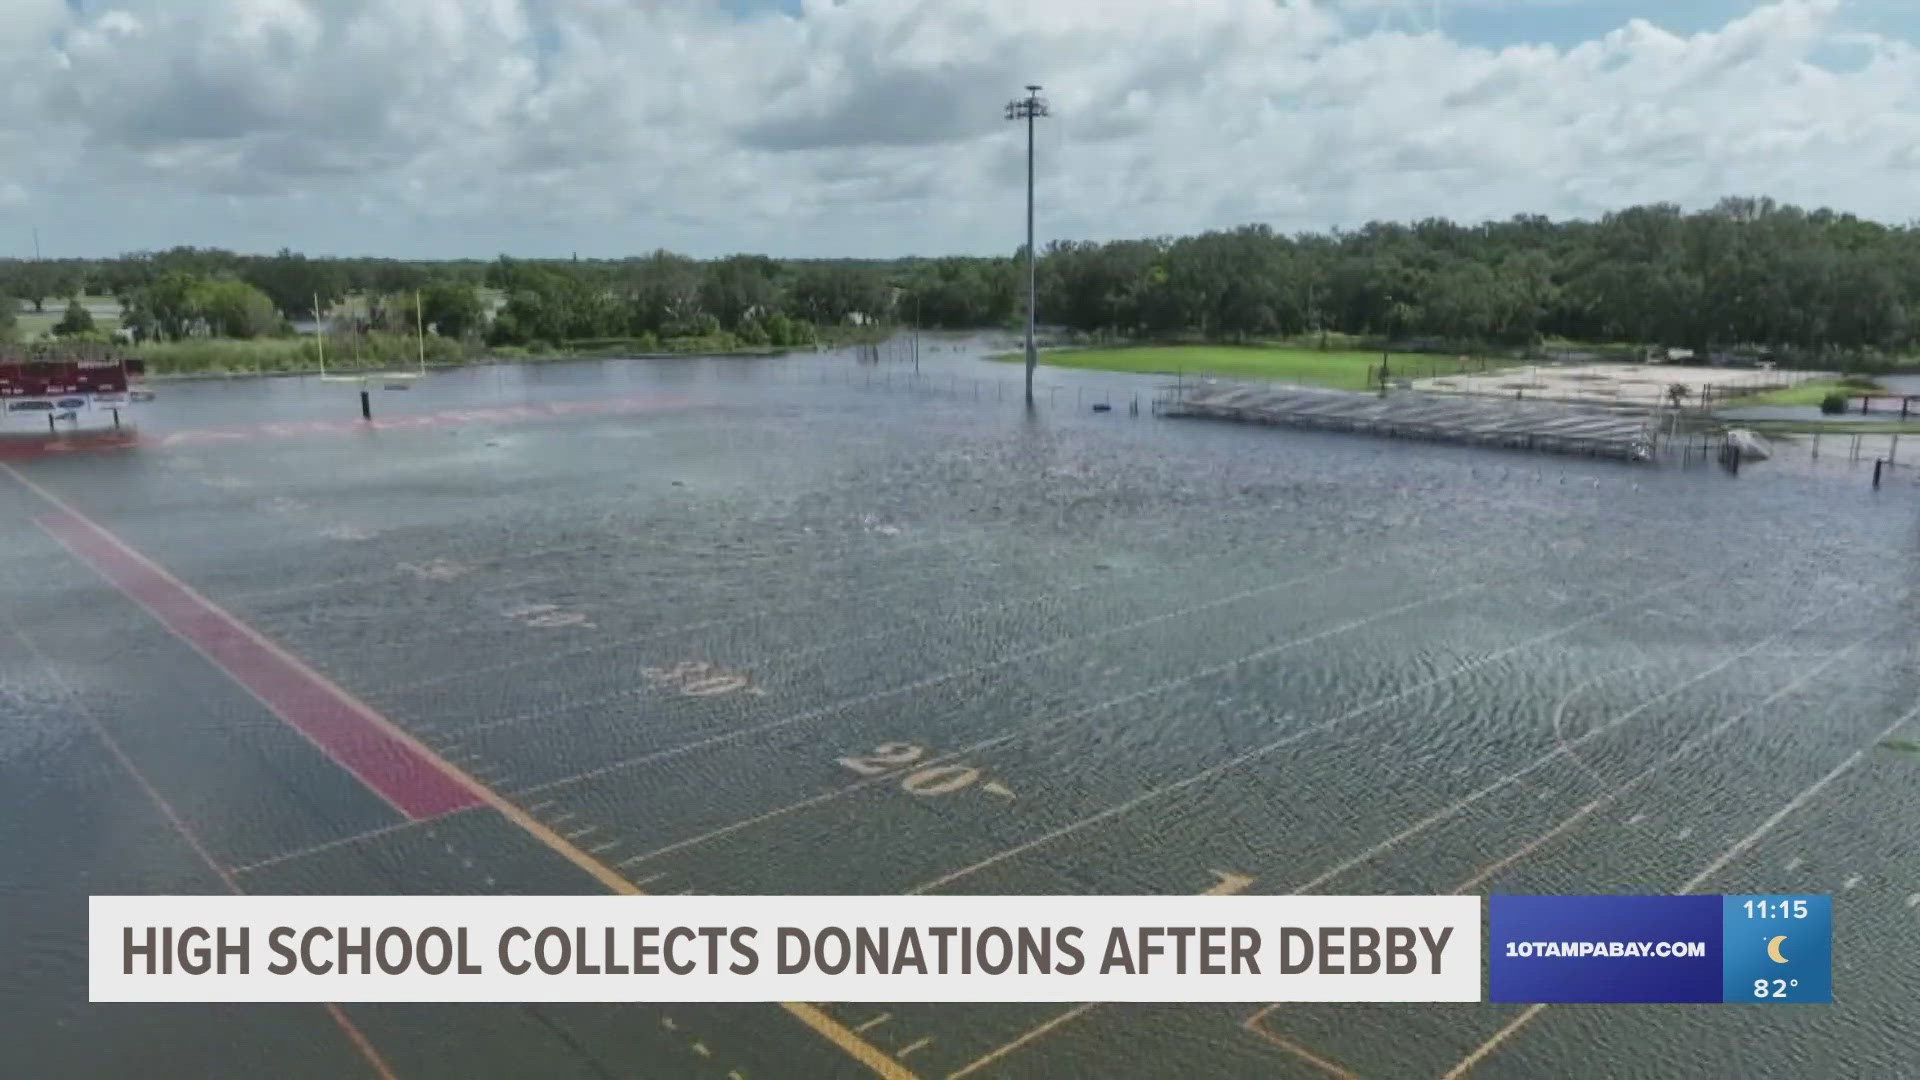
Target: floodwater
(659,601)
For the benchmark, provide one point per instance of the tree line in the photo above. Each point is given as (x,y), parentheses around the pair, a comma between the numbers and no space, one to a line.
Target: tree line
(187,292)
(1746,272)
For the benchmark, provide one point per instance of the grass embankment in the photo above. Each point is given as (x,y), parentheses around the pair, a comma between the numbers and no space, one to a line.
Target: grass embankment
(1812,394)
(1342,369)
(1807,393)
(1829,427)
(389,352)
(33,324)
(267,356)
(724,343)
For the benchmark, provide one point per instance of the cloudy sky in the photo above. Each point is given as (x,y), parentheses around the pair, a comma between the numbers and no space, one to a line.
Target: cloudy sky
(439,128)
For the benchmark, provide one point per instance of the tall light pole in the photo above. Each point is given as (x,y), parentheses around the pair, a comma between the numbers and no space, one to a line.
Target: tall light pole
(1029,108)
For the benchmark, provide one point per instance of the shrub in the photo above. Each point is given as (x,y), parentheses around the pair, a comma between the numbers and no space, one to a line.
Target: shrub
(719,342)
(699,325)
(1834,403)
(506,330)
(235,309)
(77,321)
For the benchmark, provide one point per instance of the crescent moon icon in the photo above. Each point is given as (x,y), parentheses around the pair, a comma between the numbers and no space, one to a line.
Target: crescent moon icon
(1773,949)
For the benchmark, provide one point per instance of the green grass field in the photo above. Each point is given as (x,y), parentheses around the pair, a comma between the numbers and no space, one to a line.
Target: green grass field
(34,324)
(1807,393)
(1342,369)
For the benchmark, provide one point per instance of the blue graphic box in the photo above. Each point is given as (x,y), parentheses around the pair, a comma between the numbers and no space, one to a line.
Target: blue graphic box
(1528,938)
(1778,948)
(1754,949)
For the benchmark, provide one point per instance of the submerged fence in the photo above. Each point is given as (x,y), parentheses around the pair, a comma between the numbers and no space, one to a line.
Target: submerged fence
(1101,398)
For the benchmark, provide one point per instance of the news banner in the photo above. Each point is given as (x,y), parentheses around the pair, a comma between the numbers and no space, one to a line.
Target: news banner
(1503,948)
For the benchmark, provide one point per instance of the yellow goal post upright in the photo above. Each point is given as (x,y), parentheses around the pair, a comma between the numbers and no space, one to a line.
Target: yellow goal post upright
(397,379)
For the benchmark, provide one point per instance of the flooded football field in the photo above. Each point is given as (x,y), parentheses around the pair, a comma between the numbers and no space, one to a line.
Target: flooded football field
(807,626)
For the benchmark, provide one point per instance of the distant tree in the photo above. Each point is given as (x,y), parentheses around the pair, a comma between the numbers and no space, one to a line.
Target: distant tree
(962,293)
(392,312)
(662,293)
(739,288)
(528,316)
(782,332)
(34,280)
(506,329)
(396,277)
(199,262)
(702,324)
(121,276)
(65,279)
(292,282)
(232,308)
(77,320)
(167,308)
(9,315)
(509,274)
(452,308)
(1748,276)
(832,293)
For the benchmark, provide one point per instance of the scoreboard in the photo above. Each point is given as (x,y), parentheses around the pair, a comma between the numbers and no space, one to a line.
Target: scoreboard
(56,378)
(83,389)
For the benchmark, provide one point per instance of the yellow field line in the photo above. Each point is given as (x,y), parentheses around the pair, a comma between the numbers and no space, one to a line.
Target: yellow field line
(1511,1028)
(1228,884)
(843,1037)
(999,1052)
(826,1026)
(1256,1025)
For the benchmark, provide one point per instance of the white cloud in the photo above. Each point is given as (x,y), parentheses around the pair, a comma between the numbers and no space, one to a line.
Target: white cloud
(874,126)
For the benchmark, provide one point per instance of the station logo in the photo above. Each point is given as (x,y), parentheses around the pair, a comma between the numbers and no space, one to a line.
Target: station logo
(1708,948)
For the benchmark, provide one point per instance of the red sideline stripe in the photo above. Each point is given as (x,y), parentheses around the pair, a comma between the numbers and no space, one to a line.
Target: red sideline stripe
(31,446)
(412,781)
